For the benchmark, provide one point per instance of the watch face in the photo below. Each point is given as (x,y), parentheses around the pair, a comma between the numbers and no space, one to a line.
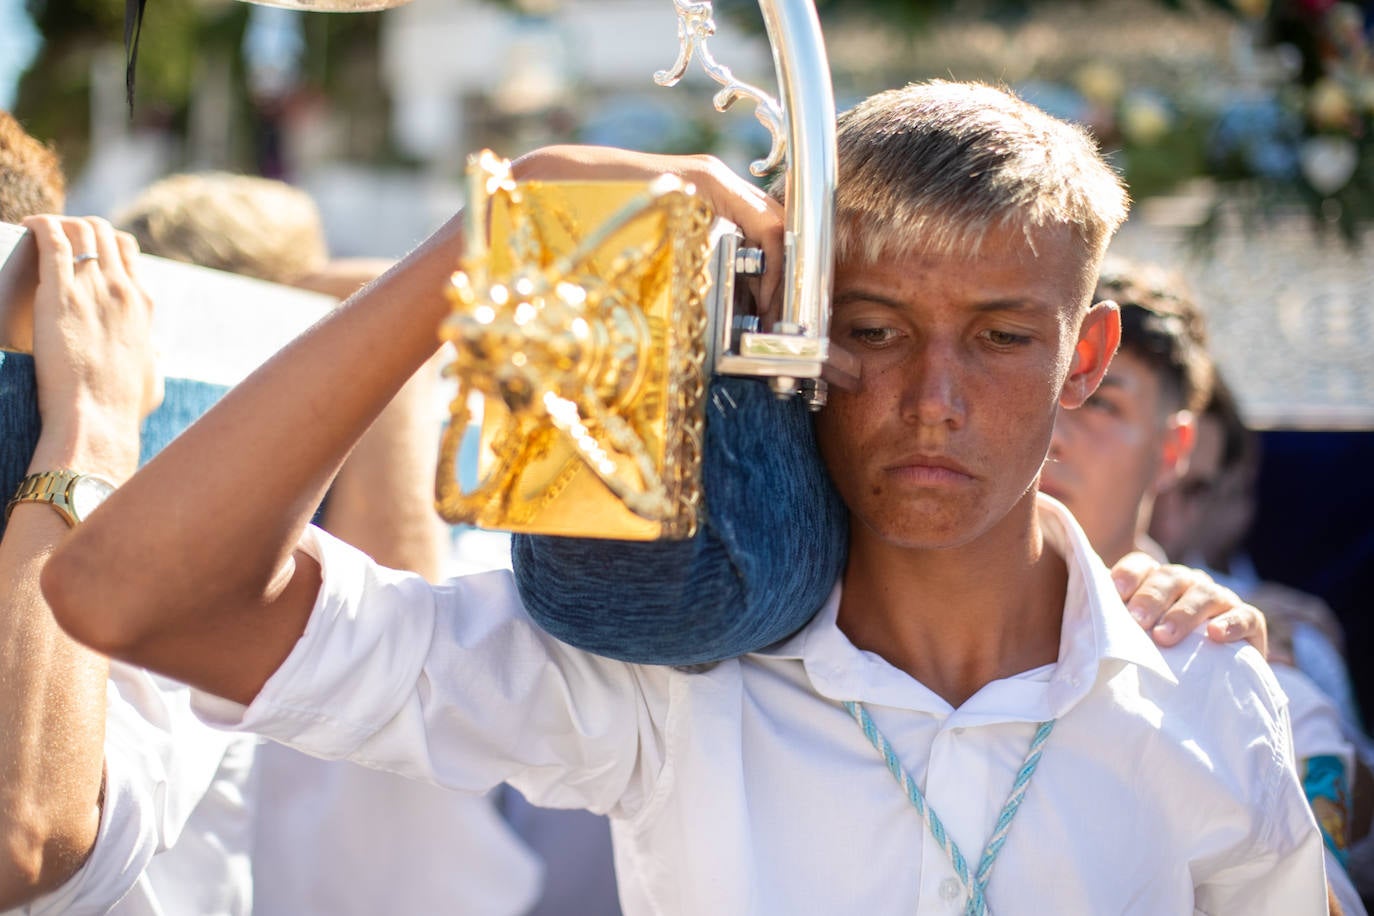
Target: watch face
(87,493)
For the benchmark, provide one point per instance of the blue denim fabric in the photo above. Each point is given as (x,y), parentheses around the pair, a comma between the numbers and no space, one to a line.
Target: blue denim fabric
(763,563)
(20,423)
(185,400)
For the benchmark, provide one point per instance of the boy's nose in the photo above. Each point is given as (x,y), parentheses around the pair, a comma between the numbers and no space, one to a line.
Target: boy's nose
(933,396)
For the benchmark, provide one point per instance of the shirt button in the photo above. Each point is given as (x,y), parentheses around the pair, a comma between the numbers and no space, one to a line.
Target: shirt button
(950,888)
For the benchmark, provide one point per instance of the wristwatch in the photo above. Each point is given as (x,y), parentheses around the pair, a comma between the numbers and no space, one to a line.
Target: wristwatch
(74,495)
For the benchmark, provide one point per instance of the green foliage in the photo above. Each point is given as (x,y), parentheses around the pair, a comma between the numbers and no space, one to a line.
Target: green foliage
(1320,92)
(1158,166)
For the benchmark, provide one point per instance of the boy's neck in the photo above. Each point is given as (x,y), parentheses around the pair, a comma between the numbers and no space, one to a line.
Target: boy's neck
(958,618)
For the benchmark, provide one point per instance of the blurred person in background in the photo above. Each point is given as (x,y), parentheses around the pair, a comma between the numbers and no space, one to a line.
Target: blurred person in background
(1204,522)
(1113,460)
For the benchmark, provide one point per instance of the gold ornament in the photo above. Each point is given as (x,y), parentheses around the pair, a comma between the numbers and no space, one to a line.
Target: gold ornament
(582,325)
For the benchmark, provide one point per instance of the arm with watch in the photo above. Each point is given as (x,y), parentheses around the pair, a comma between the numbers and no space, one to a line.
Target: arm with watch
(95,383)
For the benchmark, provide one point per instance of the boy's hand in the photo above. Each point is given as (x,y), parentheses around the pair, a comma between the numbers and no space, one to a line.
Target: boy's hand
(92,346)
(1170,600)
(757,215)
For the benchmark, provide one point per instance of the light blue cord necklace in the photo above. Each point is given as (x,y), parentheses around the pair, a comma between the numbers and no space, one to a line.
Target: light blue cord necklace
(976,903)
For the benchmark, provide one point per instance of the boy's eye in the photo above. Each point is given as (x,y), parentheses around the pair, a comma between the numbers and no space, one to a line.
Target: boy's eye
(1099,403)
(1004,338)
(873,336)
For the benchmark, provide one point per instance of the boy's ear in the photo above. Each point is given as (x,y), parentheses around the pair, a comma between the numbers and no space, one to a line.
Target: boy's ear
(1098,337)
(1179,437)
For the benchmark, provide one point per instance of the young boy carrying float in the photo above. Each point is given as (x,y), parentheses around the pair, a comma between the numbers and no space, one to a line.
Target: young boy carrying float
(1047,756)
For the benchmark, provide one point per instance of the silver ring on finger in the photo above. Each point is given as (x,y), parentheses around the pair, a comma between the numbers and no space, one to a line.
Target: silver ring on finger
(83,258)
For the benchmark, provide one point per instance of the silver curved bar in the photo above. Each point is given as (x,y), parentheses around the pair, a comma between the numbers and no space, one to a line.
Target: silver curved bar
(796,347)
(808,104)
(695,25)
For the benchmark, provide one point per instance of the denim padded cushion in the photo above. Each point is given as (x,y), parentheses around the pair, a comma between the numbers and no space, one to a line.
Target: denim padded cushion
(764,561)
(185,400)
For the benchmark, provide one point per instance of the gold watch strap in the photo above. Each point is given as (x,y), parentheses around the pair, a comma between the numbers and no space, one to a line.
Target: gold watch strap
(49,487)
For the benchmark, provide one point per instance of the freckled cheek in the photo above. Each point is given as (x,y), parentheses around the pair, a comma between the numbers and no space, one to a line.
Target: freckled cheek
(847,440)
(1029,422)
(830,439)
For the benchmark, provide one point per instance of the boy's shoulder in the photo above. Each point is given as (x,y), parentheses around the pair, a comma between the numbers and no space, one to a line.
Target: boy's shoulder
(1224,706)
(1232,673)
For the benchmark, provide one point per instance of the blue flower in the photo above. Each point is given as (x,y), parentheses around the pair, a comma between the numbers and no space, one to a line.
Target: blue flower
(1259,134)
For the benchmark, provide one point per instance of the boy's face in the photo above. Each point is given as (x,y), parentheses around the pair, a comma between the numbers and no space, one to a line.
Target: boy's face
(964,361)
(1109,457)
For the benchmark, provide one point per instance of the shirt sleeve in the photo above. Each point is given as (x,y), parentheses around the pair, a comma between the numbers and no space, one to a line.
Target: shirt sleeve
(1282,872)
(455,685)
(159,763)
(1325,759)
(1315,718)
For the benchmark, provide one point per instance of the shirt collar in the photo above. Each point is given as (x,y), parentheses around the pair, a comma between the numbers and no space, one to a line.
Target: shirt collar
(1097,628)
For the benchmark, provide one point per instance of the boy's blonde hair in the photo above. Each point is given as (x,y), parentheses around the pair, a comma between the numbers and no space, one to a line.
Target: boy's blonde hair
(934,166)
(256,227)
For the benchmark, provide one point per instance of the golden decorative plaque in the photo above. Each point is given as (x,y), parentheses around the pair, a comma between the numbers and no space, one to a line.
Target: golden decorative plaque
(580,318)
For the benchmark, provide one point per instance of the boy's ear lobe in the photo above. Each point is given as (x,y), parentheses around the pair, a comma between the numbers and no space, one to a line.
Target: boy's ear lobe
(1098,337)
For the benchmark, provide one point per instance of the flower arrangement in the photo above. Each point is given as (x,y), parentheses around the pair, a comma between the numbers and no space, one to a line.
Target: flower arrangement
(1305,131)
(1297,126)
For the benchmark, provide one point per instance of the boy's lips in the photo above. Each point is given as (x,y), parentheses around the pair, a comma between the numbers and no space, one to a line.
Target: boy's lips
(930,470)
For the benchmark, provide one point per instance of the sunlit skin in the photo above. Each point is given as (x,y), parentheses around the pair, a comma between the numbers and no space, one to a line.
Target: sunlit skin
(965,361)
(1111,456)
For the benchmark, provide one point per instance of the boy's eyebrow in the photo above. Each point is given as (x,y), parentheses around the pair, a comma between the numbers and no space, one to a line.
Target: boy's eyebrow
(1008,305)
(863,295)
(992,305)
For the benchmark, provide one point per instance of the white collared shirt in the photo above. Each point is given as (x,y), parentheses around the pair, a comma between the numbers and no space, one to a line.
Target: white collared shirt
(336,839)
(176,824)
(1167,786)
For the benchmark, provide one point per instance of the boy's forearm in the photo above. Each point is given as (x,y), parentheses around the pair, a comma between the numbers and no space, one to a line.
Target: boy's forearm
(192,567)
(52,718)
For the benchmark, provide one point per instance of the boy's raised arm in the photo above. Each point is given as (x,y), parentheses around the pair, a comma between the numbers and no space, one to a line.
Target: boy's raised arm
(193,569)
